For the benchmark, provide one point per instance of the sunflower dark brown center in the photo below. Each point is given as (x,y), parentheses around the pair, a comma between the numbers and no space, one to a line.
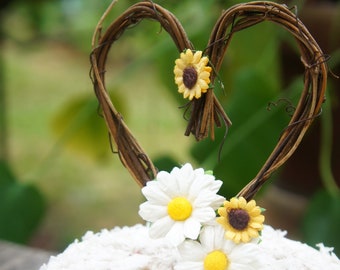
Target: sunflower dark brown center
(189,77)
(238,219)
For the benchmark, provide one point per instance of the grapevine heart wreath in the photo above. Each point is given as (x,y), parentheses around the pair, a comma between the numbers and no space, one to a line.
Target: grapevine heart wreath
(188,225)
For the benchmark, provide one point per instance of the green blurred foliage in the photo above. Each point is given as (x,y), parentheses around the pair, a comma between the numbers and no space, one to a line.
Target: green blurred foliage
(80,127)
(22,207)
(321,222)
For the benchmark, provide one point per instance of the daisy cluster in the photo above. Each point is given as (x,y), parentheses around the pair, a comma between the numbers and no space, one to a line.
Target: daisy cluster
(181,208)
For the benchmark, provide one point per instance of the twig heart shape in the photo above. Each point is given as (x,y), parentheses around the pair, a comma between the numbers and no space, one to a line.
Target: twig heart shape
(206,112)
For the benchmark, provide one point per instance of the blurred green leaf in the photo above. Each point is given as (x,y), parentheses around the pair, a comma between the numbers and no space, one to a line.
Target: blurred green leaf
(165,163)
(81,128)
(321,222)
(21,209)
(6,175)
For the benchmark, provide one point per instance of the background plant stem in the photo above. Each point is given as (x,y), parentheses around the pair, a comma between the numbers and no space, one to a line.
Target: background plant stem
(326,150)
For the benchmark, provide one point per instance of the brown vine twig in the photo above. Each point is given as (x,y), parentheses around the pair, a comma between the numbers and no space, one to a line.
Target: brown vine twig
(130,152)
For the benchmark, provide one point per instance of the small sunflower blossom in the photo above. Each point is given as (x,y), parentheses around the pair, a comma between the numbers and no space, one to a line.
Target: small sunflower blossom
(192,75)
(180,202)
(242,220)
(214,252)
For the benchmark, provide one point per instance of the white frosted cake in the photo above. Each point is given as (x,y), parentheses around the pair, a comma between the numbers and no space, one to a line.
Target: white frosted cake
(183,232)
(131,248)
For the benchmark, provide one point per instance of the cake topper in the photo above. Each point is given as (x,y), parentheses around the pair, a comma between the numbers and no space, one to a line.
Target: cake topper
(196,84)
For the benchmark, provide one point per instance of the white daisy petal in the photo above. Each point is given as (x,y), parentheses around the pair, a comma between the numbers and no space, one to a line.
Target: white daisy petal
(184,178)
(167,184)
(204,214)
(206,198)
(216,185)
(212,237)
(175,234)
(192,228)
(151,212)
(161,227)
(191,250)
(154,194)
(205,182)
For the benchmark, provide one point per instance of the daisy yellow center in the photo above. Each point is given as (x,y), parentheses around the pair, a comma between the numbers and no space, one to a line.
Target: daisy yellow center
(216,260)
(190,77)
(179,209)
(238,219)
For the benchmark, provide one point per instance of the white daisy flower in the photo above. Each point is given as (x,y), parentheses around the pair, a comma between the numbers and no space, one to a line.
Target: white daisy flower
(180,202)
(214,252)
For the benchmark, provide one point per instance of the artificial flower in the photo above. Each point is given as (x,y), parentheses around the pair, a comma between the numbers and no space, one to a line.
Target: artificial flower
(214,252)
(242,220)
(180,202)
(192,75)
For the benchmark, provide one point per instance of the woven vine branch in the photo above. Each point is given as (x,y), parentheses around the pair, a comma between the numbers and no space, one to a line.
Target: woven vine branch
(131,154)
(242,16)
(207,112)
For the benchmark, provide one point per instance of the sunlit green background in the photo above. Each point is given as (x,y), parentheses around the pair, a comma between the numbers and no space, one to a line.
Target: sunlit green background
(55,141)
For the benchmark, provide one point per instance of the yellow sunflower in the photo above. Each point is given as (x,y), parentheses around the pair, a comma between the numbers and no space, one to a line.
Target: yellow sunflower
(242,220)
(192,75)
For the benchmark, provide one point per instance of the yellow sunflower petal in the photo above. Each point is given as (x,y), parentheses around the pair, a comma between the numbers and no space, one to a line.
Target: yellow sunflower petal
(230,234)
(250,205)
(187,56)
(255,211)
(258,219)
(222,211)
(191,95)
(234,203)
(181,88)
(245,236)
(253,233)
(196,91)
(256,225)
(178,72)
(179,80)
(220,220)
(237,238)
(203,85)
(180,64)
(226,204)
(204,75)
(186,93)
(203,63)
(197,57)
(242,203)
